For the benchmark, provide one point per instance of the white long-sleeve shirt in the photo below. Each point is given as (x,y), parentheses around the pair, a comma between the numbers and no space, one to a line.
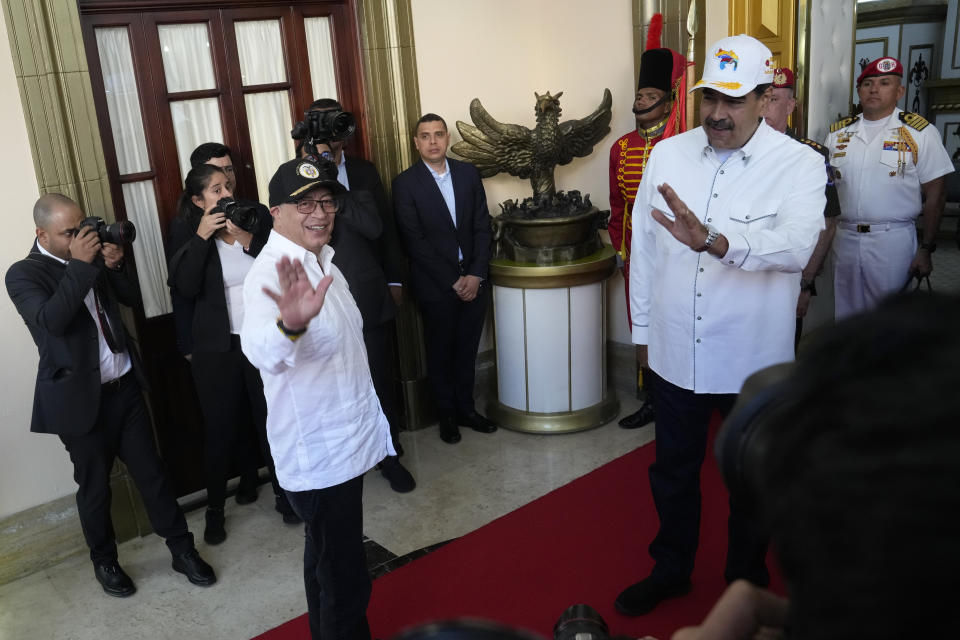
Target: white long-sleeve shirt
(324,421)
(711,322)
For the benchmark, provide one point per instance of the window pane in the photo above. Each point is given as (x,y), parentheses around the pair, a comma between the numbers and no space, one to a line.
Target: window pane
(123,100)
(261,52)
(187,62)
(195,122)
(141,203)
(323,75)
(269,118)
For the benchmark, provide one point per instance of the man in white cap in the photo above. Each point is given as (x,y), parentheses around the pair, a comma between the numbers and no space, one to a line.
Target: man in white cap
(725,219)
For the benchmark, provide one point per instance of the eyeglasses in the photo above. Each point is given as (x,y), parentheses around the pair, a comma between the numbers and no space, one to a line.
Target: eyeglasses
(307,206)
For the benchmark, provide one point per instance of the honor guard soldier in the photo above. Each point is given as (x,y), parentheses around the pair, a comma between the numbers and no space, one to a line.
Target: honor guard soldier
(889,167)
(659,110)
(782,103)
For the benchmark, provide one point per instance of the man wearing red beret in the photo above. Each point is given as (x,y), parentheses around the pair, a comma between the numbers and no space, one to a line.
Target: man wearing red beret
(889,167)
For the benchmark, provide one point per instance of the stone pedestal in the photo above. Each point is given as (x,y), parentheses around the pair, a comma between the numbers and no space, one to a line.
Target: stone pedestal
(550,329)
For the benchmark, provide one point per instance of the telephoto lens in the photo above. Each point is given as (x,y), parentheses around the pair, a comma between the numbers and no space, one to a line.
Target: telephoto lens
(580,622)
(116,233)
(243,217)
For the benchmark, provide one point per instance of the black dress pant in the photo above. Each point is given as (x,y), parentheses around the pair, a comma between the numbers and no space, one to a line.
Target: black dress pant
(683,419)
(452,330)
(234,418)
(379,343)
(122,430)
(334,563)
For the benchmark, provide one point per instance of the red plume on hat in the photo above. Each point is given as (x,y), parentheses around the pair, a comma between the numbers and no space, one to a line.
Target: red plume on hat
(653,32)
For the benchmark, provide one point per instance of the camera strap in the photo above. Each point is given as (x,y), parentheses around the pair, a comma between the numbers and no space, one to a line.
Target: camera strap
(104,323)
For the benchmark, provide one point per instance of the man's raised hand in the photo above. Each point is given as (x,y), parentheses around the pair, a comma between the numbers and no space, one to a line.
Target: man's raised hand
(298,301)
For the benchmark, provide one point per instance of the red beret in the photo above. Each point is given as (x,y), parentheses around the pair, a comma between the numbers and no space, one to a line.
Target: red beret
(881,67)
(782,77)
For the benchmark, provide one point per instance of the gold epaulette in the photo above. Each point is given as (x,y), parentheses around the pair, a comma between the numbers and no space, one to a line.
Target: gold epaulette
(840,124)
(816,146)
(914,120)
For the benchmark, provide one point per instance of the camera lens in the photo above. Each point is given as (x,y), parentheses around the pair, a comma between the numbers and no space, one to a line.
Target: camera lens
(118,232)
(580,622)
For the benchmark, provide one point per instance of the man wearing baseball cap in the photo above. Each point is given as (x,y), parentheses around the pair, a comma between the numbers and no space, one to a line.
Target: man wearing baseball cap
(889,167)
(302,329)
(725,218)
(781,105)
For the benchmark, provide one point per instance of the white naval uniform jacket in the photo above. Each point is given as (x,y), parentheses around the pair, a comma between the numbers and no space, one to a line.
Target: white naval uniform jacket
(711,322)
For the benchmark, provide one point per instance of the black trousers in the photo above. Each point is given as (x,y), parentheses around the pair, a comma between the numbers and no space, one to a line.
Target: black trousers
(122,430)
(379,343)
(452,330)
(681,440)
(334,563)
(234,418)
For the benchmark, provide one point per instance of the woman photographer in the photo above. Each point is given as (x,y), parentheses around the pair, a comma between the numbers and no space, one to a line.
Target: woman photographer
(210,254)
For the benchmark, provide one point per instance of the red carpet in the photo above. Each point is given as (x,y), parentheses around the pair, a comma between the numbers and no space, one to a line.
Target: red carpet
(583,542)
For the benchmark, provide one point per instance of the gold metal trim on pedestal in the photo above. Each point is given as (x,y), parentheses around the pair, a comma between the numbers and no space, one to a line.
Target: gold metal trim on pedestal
(522,275)
(561,422)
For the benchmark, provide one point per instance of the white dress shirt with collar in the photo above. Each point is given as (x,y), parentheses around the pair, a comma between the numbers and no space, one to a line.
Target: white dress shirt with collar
(445,184)
(324,421)
(711,322)
(234,265)
(112,365)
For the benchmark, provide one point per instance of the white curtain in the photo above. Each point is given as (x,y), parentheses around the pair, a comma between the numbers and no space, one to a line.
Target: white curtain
(194,122)
(123,102)
(141,203)
(269,117)
(261,52)
(323,75)
(187,62)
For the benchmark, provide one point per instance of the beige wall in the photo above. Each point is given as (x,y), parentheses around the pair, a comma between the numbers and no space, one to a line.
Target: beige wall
(502,51)
(33,468)
(716,23)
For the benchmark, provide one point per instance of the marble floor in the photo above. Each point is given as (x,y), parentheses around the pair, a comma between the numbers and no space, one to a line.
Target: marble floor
(460,488)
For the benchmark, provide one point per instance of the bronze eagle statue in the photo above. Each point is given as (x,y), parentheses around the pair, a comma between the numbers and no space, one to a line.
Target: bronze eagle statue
(494,147)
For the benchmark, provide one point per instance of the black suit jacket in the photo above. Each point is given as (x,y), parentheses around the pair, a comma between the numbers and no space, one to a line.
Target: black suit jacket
(428,231)
(195,277)
(366,246)
(49,296)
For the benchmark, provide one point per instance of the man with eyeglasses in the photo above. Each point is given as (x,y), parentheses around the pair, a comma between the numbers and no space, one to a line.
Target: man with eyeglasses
(303,331)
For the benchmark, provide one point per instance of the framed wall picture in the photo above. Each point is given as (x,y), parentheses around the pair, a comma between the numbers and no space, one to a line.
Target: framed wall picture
(916,72)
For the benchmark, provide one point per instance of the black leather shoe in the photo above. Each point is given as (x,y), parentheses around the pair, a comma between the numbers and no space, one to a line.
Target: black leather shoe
(449,431)
(643,416)
(284,509)
(476,422)
(644,596)
(247,491)
(192,565)
(213,532)
(113,579)
(399,478)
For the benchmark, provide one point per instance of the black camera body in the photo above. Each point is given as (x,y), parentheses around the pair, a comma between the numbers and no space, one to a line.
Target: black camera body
(240,215)
(116,233)
(323,127)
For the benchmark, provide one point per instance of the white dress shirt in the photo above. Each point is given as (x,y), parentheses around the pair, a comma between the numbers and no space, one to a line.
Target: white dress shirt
(324,421)
(445,184)
(711,322)
(112,365)
(234,265)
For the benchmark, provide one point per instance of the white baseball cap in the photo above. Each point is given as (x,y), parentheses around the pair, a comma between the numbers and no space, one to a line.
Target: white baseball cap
(735,65)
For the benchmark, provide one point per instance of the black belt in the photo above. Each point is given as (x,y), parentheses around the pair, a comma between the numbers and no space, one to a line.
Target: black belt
(115,384)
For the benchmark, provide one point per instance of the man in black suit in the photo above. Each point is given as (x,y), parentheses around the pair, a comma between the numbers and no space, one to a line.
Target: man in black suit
(87,389)
(441,212)
(367,252)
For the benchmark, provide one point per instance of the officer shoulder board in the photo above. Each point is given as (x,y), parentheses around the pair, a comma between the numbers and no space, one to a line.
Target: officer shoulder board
(816,146)
(840,124)
(914,120)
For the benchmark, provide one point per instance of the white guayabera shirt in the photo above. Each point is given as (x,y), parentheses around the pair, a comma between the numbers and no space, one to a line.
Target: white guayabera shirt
(324,421)
(711,322)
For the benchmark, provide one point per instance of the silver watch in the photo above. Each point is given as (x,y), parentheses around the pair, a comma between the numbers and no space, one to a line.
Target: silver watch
(712,234)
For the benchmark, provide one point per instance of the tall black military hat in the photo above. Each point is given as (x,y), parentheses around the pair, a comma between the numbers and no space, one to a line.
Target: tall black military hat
(656,70)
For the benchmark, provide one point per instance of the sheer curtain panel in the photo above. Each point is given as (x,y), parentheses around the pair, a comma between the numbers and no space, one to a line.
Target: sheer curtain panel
(323,75)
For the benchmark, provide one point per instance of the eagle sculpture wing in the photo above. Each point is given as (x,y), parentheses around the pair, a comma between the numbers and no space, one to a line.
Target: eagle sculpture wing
(494,147)
(577,137)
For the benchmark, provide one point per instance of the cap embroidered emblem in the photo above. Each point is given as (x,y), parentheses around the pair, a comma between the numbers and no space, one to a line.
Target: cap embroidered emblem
(780,78)
(308,170)
(886,65)
(727,57)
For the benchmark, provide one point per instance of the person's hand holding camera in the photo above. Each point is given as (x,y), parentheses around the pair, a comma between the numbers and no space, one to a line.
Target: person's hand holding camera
(239,234)
(112,255)
(211,222)
(85,245)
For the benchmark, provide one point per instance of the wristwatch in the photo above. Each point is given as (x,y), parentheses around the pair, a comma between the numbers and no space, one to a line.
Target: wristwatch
(807,285)
(712,234)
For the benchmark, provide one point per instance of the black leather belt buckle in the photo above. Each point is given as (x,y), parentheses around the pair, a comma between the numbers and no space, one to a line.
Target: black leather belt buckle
(113,385)
(863,228)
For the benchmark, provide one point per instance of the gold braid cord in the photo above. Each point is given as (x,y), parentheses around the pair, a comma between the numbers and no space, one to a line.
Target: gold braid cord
(906,142)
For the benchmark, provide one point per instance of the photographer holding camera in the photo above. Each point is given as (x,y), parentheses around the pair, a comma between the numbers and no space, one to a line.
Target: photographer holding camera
(213,242)
(367,251)
(88,381)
